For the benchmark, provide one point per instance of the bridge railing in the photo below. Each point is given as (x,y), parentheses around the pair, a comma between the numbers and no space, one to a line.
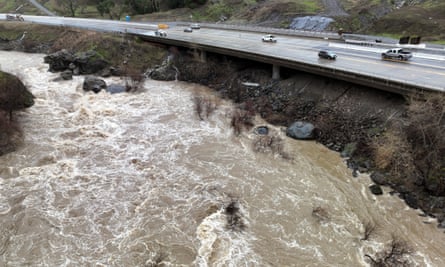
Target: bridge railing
(266,30)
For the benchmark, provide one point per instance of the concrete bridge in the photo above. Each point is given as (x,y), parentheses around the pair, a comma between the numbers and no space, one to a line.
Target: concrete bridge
(359,77)
(407,80)
(357,62)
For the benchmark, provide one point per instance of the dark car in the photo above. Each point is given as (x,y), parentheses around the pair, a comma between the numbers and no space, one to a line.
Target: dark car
(327,54)
(161,33)
(188,29)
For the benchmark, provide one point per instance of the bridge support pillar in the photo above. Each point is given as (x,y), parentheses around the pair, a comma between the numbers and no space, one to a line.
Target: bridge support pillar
(275,72)
(203,56)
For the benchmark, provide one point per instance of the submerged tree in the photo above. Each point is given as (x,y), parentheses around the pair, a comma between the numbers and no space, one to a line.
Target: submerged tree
(396,253)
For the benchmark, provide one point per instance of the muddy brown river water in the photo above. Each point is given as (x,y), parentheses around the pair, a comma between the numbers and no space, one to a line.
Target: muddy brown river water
(137,179)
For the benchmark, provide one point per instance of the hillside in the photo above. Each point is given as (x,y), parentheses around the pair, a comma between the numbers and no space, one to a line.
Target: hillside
(394,18)
(424,18)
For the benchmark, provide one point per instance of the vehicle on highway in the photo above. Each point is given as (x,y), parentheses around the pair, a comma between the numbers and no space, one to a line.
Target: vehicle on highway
(328,54)
(161,33)
(188,29)
(195,26)
(16,17)
(269,38)
(397,54)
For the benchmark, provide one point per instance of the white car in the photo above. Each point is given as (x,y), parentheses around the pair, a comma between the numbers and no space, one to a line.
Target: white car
(195,26)
(269,38)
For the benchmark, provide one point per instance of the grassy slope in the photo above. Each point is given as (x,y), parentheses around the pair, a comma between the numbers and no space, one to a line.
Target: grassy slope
(277,13)
(9,6)
(425,19)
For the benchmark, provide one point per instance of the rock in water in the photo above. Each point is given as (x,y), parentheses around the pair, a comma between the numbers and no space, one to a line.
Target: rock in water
(94,84)
(13,93)
(301,130)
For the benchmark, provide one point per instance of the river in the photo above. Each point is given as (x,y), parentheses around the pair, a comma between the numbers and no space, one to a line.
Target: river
(136,179)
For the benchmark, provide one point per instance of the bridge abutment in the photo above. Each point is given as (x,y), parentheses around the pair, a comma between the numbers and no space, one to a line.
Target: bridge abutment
(203,56)
(275,72)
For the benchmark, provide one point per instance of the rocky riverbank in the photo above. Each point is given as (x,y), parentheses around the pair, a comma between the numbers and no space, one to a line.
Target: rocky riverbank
(354,120)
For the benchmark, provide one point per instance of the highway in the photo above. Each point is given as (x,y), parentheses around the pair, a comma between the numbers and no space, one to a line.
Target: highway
(425,70)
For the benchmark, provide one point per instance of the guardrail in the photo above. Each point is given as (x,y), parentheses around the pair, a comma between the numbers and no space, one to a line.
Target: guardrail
(410,47)
(265,30)
(347,38)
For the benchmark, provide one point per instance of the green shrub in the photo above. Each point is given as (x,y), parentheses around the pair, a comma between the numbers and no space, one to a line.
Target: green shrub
(214,12)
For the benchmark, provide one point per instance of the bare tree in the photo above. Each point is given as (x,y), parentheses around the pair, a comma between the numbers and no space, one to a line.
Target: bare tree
(118,8)
(370,229)
(394,254)
(425,133)
(69,6)
(320,213)
(155,4)
(235,221)
(134,79)
(204,106)
(241,119)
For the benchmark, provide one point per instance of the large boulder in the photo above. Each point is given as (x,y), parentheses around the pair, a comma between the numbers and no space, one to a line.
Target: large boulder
(13,93)
(301,130)
(376,189)
(164,72)
(379,178)
(89,62)
(59,61)
(13,96)
(94,84)
(66,75)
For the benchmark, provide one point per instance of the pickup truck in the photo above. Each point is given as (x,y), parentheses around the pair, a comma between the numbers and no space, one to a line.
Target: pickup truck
(397,53)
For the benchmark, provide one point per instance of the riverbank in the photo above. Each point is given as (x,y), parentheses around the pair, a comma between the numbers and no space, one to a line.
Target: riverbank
(361,123)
